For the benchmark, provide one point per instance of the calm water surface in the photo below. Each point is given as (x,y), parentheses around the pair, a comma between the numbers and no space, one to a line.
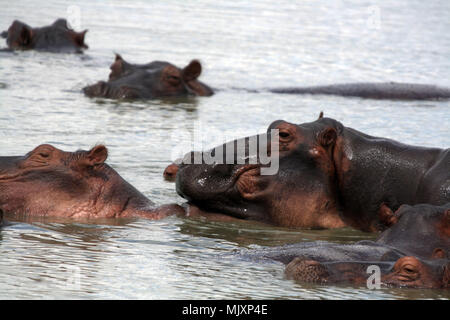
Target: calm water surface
(241,45)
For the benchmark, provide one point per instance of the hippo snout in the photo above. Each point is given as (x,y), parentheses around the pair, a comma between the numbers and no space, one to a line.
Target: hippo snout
(96,90)
(170,173)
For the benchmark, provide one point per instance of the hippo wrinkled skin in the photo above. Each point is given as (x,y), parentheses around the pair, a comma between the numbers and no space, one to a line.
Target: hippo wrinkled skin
(149,81)
(329,176)
(413,252)
(51,182)
(373,90)
(57,37)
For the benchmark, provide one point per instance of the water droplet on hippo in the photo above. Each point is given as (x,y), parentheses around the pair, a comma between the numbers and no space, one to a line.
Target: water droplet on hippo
(201,181)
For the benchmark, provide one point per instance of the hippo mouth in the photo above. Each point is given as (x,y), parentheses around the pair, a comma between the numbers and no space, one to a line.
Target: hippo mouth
(5,176)
(9,176)
(253,169)
(9,169)
(246,179)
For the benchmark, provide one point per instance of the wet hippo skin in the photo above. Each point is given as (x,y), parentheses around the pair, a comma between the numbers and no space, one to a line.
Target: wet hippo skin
(329,176)
(50,182)
(413,252)
(382,90)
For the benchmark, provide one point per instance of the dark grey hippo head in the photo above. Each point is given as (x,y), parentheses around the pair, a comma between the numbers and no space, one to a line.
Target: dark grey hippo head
(148,81)
(58,37)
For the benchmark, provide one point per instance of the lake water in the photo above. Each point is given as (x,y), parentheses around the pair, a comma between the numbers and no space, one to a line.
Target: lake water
(241,44)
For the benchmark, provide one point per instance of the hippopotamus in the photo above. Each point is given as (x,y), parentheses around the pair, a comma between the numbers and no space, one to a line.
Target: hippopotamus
(414,251)
(57,37)
(148,81)
(382,90)
(50,182)
(329,176)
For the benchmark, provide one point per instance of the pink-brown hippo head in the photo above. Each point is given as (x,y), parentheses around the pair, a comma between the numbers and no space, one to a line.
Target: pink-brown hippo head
(50,182)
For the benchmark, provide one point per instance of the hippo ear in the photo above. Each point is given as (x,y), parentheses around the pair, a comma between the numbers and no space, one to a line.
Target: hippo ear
(19,34)
(78,38)
(97,155)
(116,67)
(26,34)
(192,71)
(320,115)
(62,23)
(118,57)
(386,215)
(438,253)
(327,137)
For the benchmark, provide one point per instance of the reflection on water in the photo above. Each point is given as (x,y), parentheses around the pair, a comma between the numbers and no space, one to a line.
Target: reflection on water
(269,44)
(174,258)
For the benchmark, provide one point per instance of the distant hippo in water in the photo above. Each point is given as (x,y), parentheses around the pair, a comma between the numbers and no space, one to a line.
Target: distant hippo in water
(383,90)
(148,81)
(51,182)
(57,37)
(413,252)
(329,176)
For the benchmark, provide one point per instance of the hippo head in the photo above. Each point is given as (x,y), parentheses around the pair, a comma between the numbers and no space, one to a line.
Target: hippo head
(152,80)
(56,37)
(51,182)
(412,272)
(298,194)
(407,271)
(428,229)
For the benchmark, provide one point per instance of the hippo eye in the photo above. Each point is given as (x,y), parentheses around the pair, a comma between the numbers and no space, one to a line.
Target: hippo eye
(43,155)
(284,134)
(409,269)
(173,79)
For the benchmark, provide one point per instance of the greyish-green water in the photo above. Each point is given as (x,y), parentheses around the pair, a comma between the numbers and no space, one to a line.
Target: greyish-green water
(241,44)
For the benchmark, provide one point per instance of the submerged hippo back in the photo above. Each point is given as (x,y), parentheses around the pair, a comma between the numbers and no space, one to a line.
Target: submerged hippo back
(384,90)
(323,251)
